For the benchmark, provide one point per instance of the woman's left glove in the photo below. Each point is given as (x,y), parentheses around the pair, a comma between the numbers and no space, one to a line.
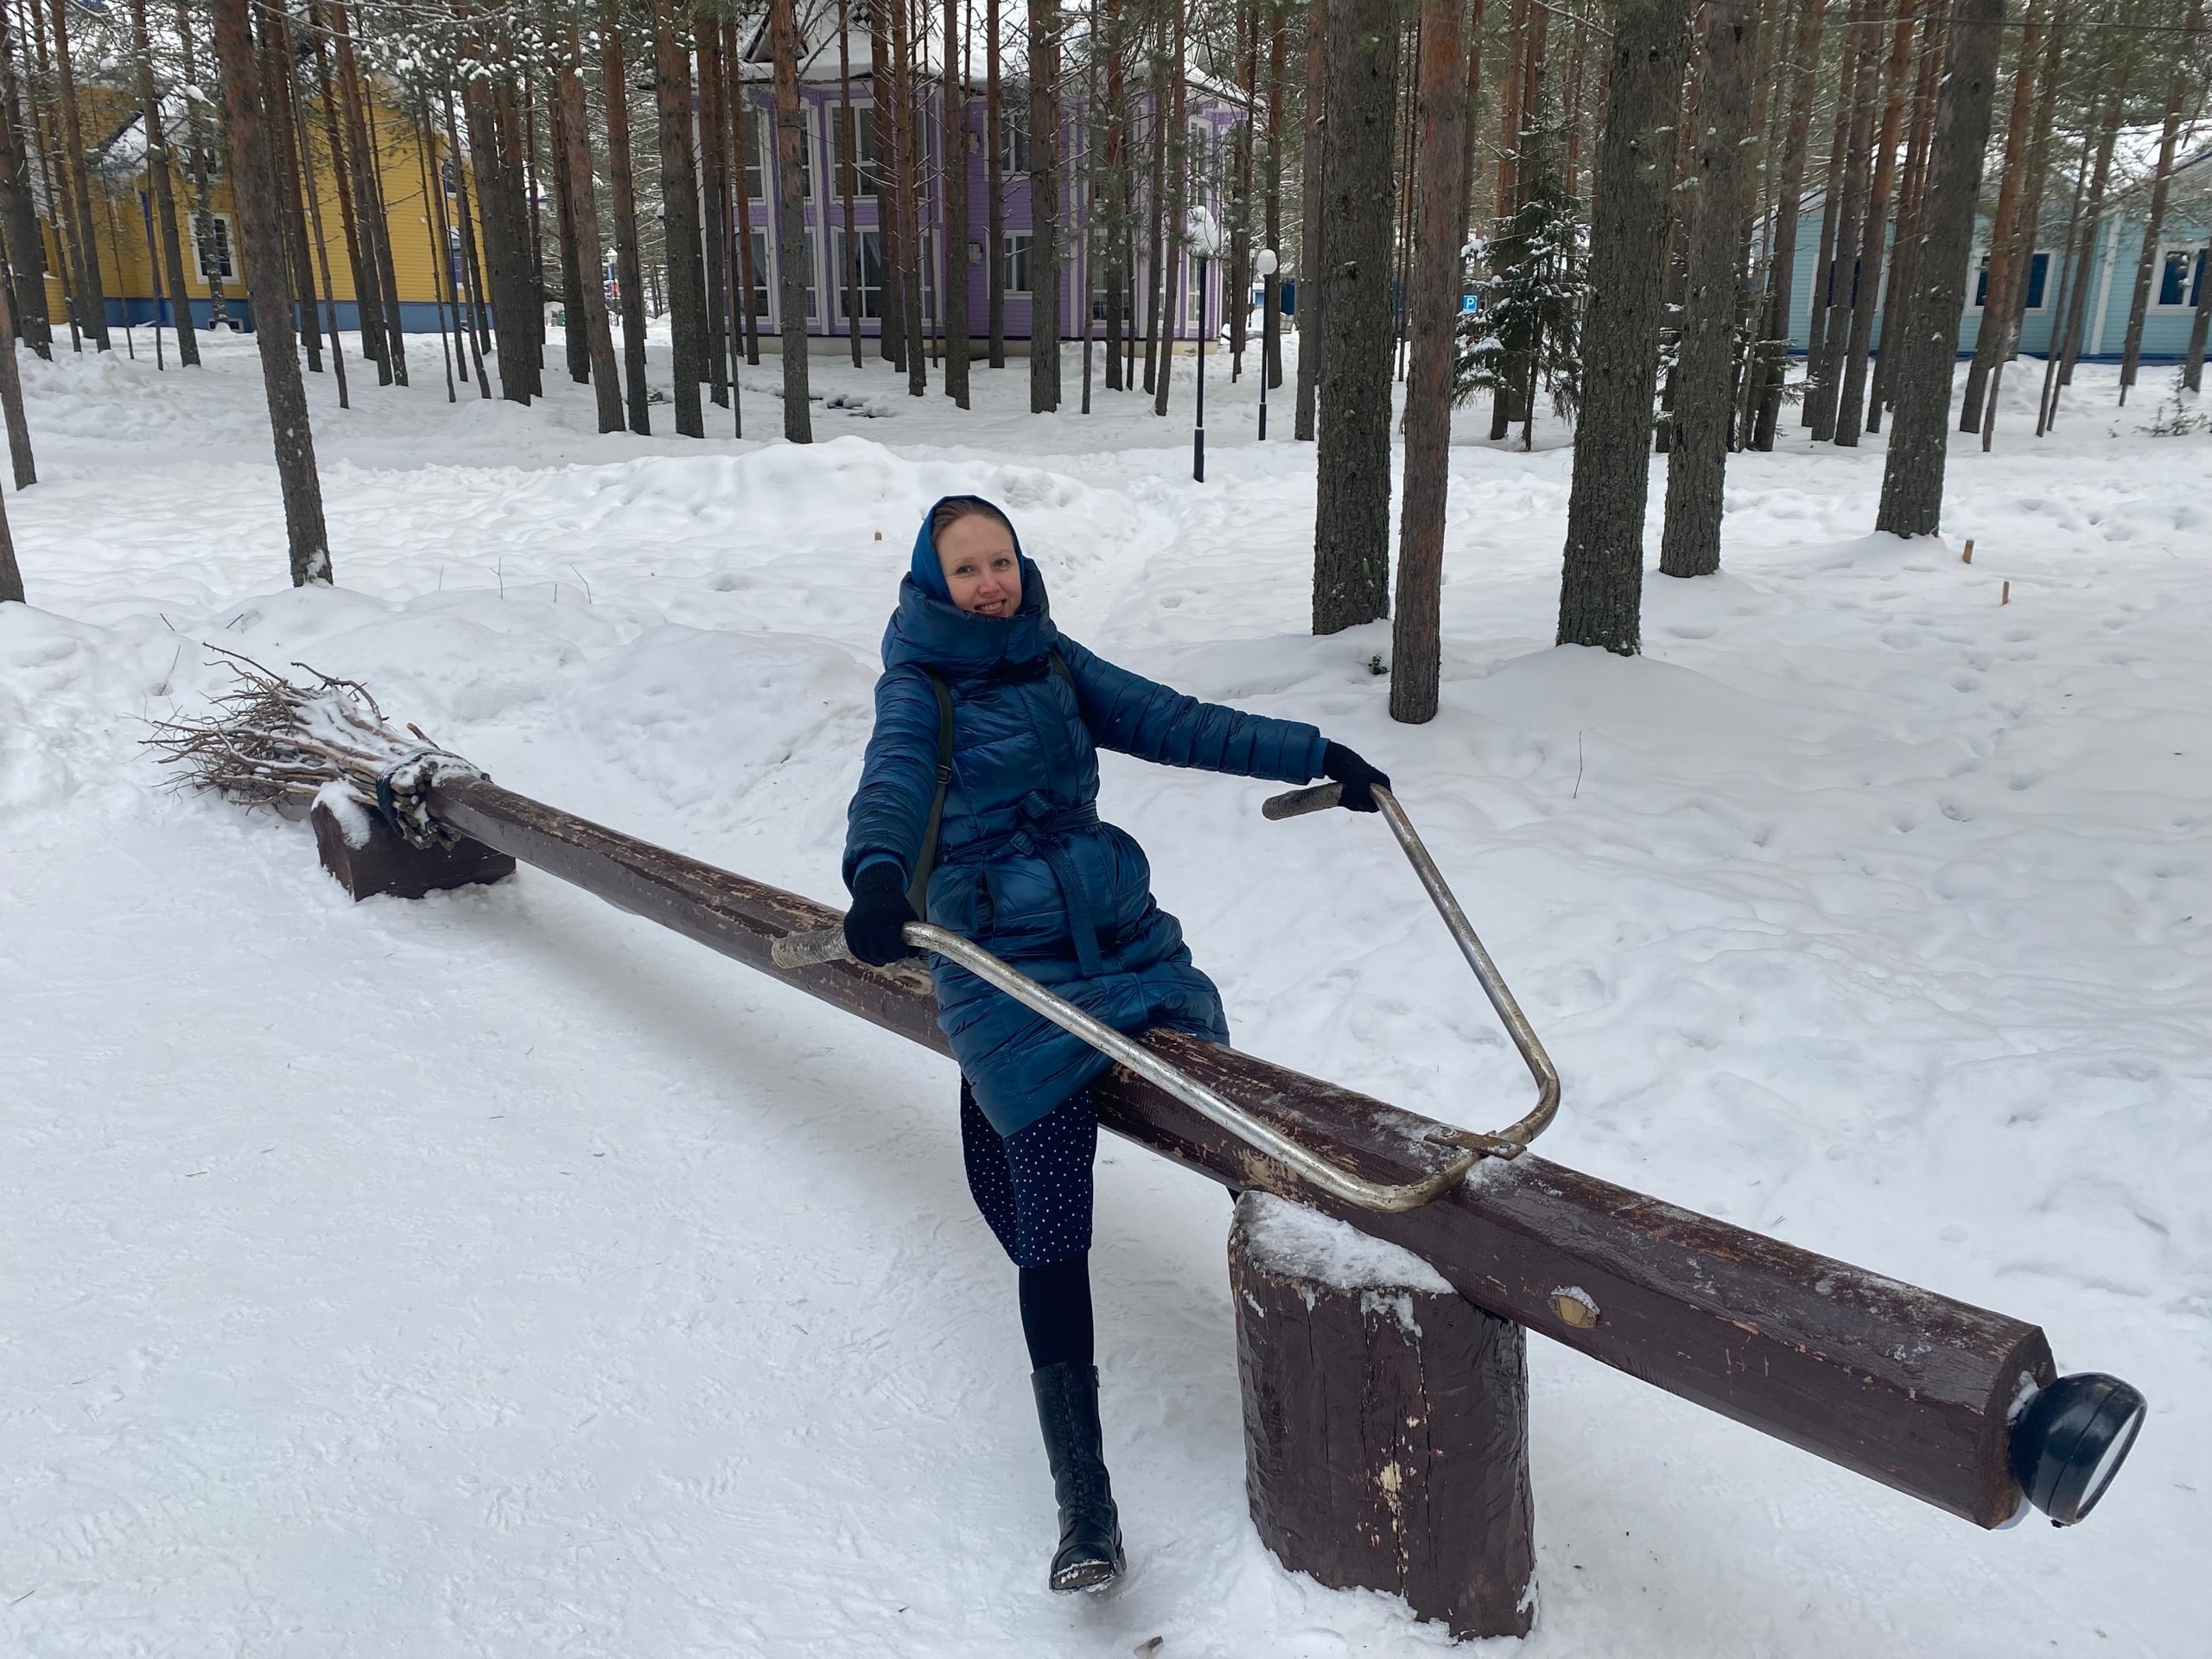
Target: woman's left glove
(1359,780)
(874,925)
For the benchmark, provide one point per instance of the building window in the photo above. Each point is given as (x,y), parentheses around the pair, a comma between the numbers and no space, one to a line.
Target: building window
(760,121)
(213,243)
(2038,281)
(1017,262)
(2181,277)
(759,274)
(1013,134)
(870,284)
(863,151)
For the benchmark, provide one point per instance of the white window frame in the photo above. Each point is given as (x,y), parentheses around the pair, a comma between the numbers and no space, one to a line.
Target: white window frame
(761,121)
(865,176)
(228,226)
(1978,270)
(1027,254)
(861,233)
(2189,252)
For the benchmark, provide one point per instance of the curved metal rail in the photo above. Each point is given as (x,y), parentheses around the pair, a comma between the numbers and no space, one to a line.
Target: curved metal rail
(828,944)
(1512,1140)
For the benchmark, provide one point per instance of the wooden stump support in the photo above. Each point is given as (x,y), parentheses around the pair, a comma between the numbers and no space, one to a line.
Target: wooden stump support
(1386,1421)
(359,849)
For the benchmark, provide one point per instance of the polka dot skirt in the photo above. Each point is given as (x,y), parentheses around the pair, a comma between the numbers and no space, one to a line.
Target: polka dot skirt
(1033,1186)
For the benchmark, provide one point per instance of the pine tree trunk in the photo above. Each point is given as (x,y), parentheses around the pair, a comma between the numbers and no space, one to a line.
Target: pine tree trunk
(1824,262)
(1155,268)
(434,217)
(848,267)
(1601,584)
(1912,481)
(341,174)
(791,220)
(1044,207)
(26,246)
(1697,460)
(2200,327)
(1173,258)
(1997,295)
(1912,194)
(94,303)
(2146,265)
(1789,197)
(261,245)
(914,347)
(2077,310)
(359,185)
(1311,251)
(157,172)
(629,275)
(994,183)
(890,180)
(1825,392)
(480,336)
(1271,285)
(714,149)
(1851,406)
(1439,117)
(582,234)
(1351,516)
(394,334)
(679,192)
(956,212)
(1116,169)
(11,574)
(284,174)
(21,460)
(742,109)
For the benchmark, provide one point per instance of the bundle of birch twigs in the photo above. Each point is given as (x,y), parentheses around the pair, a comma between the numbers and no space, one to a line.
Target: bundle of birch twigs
(275,742)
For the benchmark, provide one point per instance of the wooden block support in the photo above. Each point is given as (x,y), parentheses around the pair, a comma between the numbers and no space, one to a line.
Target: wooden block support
(359,849)
(1386,1421)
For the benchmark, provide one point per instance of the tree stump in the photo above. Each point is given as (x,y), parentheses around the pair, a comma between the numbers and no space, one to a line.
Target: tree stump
(359,849)
(1386,1421)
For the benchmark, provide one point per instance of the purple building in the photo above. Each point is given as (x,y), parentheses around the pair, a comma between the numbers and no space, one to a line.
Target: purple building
(1211,117)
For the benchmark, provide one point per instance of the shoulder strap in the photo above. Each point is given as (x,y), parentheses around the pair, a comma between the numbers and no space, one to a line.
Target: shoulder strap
(1060,668)
(926,860)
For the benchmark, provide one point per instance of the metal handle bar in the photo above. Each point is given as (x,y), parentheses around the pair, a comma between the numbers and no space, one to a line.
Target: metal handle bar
(1511,1141)
(828,944)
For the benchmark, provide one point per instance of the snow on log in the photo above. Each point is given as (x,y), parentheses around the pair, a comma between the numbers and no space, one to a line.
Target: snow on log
(1900,1384)
(1386,1421)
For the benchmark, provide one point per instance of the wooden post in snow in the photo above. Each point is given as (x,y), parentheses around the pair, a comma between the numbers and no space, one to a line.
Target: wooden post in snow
(1386,1420)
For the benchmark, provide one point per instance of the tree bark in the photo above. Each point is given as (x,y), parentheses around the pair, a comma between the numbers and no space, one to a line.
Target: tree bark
(1311,252)
(1789,192)
(1912,196)
(277,64)
(1989,339)
(1851,405)
(1697,461)
(748,147)
(2026,222)
(1824,393)
(848,267)
(479,333)
(18,206)
(94,305)
(883,48)
(1912,480)
(1439,117)
(2147,264)
(158,171)
(2200,329)
(956,212)
(791,220)
(714,188)
(22,462)
(994,183)
(1173,258)
(584,232)
(342,180)
(11,574)
(629,275)
(1044,207)
(1601,583)
(1271,284)
(261,241)
(1352,517)
(1824,262)
(679,192)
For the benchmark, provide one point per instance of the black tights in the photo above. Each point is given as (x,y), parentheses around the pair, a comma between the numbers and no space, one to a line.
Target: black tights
(1056,1313)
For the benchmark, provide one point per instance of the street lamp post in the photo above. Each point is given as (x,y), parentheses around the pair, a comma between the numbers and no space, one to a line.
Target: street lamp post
(1205,233)
(1264,262)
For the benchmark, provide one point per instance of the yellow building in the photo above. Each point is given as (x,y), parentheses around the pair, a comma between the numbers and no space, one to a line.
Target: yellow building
(122,214)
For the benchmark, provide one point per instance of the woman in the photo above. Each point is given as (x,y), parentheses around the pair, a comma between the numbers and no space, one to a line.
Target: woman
(988,723)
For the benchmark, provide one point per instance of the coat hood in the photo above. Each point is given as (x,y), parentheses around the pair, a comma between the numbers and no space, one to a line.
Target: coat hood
(928,631)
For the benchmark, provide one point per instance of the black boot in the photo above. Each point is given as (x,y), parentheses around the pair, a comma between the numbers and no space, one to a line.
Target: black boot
(1090,1556)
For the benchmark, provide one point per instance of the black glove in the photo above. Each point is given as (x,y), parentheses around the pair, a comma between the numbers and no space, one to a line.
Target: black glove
(1358,778)
(879,911)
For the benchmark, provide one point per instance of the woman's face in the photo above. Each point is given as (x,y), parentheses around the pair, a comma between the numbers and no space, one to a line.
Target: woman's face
(980,569)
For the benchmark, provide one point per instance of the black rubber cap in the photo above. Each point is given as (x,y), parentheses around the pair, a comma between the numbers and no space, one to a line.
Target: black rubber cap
(2069,1443)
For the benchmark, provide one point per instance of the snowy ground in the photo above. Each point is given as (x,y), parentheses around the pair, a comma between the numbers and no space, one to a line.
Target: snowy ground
(497,1274)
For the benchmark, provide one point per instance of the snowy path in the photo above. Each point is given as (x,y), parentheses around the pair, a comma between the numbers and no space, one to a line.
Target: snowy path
(497,1274)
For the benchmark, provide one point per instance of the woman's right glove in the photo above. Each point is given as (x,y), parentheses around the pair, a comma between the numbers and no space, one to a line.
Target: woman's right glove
(880,911)
(1359,780)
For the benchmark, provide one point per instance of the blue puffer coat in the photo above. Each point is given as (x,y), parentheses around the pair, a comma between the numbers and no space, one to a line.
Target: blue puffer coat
(1025,866)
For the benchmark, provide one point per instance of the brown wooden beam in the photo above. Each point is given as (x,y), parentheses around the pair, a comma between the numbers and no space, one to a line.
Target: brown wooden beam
(1903,1385)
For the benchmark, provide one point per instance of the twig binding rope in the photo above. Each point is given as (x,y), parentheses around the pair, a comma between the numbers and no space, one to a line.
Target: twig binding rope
(273,740)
